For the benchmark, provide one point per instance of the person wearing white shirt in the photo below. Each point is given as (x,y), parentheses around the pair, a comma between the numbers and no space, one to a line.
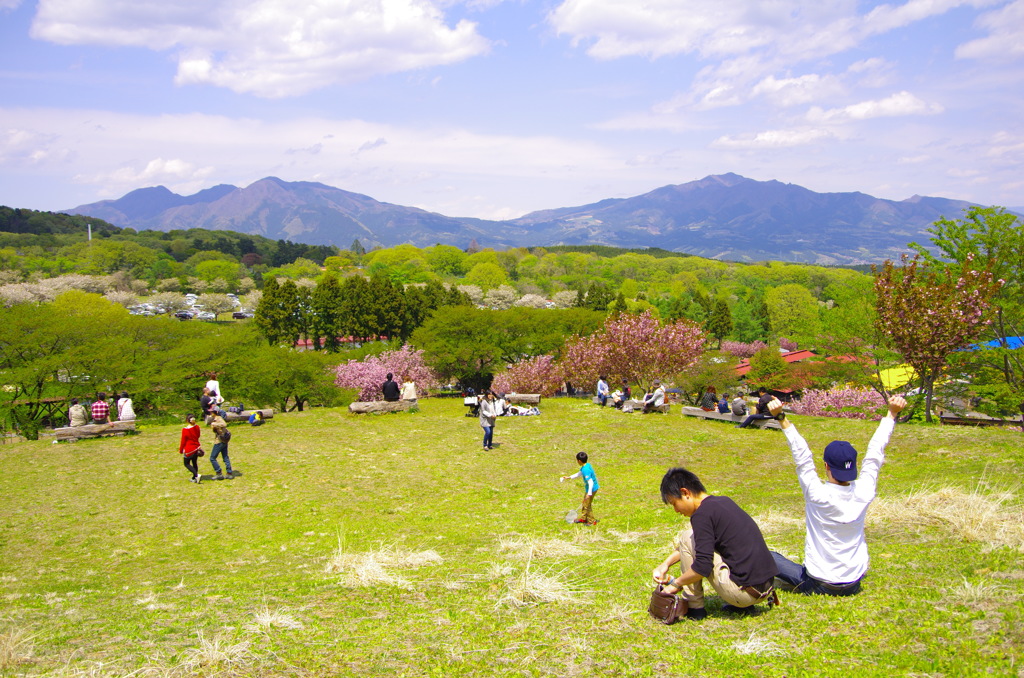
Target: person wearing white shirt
(602,389)
(835,551)
(214,387)
(656,399)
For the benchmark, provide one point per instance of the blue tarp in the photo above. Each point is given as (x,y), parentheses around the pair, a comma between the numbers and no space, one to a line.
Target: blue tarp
(1011,342)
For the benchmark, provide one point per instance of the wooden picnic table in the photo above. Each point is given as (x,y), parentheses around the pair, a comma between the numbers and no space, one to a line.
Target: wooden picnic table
(734,418)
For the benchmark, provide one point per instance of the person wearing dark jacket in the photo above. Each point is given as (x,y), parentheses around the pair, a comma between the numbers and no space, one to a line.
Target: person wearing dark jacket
(392,391)
(723,545)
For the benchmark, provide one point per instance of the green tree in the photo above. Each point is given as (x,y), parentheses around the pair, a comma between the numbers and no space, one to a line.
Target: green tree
(720,323)
(326,310)
(271,316)
(487,276)
(794,313)
(994,238)
(768,369)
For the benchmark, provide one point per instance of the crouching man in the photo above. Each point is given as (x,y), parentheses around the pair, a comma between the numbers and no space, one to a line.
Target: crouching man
(723,545)
(835,552)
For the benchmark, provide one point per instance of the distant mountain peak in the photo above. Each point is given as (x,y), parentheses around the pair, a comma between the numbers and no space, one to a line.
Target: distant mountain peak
(724,216)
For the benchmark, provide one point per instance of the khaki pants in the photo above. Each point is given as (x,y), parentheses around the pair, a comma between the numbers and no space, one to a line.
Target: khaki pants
(728,590)
(586,513)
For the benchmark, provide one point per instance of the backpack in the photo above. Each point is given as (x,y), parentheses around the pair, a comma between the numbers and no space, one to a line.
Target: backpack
(226,436)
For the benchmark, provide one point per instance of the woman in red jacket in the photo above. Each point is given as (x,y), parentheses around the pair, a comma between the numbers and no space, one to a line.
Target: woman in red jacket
(190,448)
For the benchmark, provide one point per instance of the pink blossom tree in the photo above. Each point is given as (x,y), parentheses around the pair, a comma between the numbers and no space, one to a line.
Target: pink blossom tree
(535,375)
(742,350)
(633,347)
(368,375)
(787,344)
(848,403)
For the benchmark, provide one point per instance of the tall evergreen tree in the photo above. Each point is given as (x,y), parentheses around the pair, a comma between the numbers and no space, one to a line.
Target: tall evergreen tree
(326,320)
(720,323)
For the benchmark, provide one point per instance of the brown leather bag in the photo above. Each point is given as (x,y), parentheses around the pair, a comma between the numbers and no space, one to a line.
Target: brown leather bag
(667,608)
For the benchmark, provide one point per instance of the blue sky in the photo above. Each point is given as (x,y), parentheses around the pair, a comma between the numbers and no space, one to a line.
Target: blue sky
(495,108)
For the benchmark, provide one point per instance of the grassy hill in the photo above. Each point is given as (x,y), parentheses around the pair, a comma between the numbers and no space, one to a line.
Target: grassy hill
(393,545)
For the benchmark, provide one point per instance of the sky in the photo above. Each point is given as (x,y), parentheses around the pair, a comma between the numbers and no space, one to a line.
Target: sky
(496,108)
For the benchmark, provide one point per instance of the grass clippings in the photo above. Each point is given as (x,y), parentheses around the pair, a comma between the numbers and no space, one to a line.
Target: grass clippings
(266,618)
(993,519)
(756,645)
(219,654)
(529,548)
(535,588)
(379,566)
(16,647)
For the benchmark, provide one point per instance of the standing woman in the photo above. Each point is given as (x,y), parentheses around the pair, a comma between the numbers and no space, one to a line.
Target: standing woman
(190,448)
(488,413)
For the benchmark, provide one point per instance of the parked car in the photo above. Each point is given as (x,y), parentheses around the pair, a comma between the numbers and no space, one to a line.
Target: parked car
(183,315)
(241,315)
(206,315)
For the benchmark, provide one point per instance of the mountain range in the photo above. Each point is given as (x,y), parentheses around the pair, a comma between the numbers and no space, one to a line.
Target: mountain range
(724,216)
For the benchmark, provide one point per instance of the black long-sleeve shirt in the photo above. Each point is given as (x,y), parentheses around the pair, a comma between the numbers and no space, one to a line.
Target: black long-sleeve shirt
(720,525)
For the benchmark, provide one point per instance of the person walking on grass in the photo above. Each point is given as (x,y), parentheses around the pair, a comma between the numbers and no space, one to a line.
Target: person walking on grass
(590,488)
(221,436)
(189,447)
(723,545)
(835,552)
(488,408)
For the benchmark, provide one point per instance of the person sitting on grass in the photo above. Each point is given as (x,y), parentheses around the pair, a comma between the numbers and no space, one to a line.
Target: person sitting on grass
(723,545)
(835,552)
(590,488)
(602,390)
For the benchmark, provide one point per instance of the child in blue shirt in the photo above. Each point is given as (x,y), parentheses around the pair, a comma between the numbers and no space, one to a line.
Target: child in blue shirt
(590,487)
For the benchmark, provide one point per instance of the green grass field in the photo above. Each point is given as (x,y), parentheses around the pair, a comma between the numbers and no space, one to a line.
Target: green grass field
(393,545)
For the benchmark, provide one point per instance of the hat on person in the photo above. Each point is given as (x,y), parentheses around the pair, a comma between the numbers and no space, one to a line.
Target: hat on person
(841,459)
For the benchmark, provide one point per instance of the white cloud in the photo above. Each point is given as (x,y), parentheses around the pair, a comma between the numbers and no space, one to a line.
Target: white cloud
(270,48)
(157,171)
(9,4)
(114,153)
(796,91)
(1006,35)
(899,104)
(779,138)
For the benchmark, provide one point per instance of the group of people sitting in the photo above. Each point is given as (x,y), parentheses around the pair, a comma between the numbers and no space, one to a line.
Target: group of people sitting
(100,411)
(621,398)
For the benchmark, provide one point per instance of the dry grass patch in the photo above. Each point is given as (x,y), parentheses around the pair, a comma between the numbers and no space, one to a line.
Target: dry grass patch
(535,588)
(632,537)
(266,619)
(376,567)
(16,647)
(980,594)
(529,548)
(758,646)
(992,519)
(219,654)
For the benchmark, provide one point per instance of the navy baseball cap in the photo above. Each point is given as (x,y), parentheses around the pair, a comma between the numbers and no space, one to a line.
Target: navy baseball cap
(841,458)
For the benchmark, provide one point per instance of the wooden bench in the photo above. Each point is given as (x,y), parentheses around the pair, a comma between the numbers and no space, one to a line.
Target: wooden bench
(369,406)
(734,418)
(522,398)
(73,433)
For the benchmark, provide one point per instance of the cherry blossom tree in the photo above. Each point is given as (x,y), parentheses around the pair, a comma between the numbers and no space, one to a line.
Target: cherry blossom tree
(634,347)
(368,375)
(535,375)
(848,403)
(929,312)
(741,349)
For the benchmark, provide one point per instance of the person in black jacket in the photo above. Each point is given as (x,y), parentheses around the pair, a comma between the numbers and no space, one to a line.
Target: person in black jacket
(762,408)
(392,391)
(723,545)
